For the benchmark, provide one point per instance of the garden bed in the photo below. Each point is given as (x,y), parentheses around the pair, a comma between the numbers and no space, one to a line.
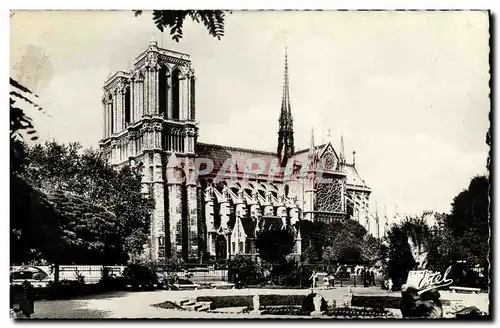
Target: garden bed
(226,301)
(247,300)
(379,302)
(353,312)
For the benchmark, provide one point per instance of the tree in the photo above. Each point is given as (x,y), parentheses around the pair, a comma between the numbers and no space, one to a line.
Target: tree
(213,20)
(314,239)
(19,121)
(371,249)
(244,272)
(95,200)
(348,242)
(468,225)
(275,245)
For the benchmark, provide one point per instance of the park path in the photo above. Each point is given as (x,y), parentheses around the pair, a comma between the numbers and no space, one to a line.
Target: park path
(136,305)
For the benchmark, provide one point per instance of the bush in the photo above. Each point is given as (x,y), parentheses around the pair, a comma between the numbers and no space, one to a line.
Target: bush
(140,277)
(308,303)
(66,289)
(243,272)
(109,282)
(173,265)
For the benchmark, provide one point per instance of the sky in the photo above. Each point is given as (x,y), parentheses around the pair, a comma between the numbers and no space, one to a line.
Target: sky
(409,91)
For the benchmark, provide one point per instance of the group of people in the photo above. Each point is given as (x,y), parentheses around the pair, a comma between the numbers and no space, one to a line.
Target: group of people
(368,277)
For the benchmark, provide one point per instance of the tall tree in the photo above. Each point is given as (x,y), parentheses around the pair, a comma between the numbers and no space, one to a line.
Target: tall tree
(468,224)
(119,210)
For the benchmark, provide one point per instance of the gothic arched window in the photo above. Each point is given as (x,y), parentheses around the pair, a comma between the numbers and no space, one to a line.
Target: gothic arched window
(111,114)
(127,106)
(175,94)
(162,91)
(193,98)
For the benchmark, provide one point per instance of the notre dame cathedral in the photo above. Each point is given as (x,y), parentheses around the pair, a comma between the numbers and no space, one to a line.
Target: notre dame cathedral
(149,121)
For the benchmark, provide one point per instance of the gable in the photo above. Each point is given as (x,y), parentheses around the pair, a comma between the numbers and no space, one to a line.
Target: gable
(328,148)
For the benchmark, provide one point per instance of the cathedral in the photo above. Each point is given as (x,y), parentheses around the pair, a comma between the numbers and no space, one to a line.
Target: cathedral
(212,200)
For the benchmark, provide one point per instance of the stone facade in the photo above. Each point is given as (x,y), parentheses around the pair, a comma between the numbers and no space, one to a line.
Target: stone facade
(149,123)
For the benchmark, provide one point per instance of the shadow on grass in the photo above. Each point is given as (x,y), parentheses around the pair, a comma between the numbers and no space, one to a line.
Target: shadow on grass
(65,309)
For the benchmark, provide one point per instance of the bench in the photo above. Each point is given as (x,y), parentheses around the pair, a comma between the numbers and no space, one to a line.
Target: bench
(454,289)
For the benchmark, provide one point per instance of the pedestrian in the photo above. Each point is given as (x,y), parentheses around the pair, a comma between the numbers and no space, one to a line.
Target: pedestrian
(372,277)
(389,285)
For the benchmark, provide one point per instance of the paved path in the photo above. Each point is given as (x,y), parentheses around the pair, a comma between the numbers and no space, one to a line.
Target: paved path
(138,304)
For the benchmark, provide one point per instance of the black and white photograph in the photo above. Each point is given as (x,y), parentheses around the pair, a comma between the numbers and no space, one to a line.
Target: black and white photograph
(229,164)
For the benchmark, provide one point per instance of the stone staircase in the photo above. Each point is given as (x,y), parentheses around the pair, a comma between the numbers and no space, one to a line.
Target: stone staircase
(191,304)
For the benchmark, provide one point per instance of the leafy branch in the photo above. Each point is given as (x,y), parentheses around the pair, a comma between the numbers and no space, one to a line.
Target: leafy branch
(173,20)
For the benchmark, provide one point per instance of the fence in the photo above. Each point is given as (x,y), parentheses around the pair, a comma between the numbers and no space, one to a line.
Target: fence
(207,275)
(90,273)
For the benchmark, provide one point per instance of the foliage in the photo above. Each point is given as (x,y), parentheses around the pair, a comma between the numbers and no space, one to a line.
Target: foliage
(338,242)
(371,249)
(244,272)
(464,234)
(35,230)
(314,239)
(119,212)
(468,223)
(213,20)
(292,274)
(275,245)
(19,121)
(173,265)
(140,277)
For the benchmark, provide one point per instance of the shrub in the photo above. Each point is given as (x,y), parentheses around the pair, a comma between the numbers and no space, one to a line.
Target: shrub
(173,265)
(140,277)
(244,272)
(109,282)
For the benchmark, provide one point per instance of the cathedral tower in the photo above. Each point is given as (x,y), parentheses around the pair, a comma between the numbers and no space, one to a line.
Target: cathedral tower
(285,135)
(149,122)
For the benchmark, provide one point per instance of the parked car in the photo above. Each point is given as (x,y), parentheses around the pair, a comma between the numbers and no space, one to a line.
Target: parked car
(32,274)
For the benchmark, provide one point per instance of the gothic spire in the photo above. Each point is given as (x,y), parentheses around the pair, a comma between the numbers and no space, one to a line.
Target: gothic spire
(285,140)
(311,144)
(342,152)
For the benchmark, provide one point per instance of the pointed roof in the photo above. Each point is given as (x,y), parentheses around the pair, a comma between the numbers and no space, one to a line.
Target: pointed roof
(286,120)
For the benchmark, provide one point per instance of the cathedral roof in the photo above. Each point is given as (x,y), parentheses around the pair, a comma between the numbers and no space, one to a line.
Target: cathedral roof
(220,154)
(353,177)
